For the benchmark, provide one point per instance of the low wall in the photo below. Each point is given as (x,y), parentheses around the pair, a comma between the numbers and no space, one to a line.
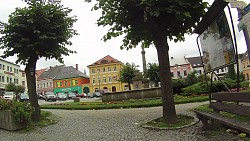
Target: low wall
(7,121)
(134,94)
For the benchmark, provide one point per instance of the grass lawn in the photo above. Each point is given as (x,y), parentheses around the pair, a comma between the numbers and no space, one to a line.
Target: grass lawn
(133,103)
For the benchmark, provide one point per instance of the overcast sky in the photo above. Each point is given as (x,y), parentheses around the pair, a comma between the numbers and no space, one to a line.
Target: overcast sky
(91,48)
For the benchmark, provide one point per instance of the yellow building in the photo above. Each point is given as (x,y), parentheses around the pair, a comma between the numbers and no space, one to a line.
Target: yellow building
(245,66)
(104,75)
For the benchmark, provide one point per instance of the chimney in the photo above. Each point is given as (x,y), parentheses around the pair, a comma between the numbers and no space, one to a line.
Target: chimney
(76,66)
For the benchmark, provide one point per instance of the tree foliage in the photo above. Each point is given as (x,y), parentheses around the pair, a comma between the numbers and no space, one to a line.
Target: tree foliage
(152,21)
(192,78)
(42,29)
(11,87)
(127,73)
(152,73)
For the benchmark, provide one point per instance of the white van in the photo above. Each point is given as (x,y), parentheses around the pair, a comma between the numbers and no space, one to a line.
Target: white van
(9,95)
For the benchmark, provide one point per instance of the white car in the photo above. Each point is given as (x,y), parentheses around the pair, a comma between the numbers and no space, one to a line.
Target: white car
(9,95)
(61,96)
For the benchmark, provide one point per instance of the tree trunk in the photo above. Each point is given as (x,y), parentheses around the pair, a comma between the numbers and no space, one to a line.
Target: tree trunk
(31,82)
(169,112)
(129,86)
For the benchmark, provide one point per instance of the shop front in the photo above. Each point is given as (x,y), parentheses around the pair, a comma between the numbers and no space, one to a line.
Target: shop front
(75,89)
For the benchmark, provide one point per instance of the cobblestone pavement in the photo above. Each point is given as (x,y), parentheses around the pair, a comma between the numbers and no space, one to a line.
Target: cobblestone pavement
(115,125)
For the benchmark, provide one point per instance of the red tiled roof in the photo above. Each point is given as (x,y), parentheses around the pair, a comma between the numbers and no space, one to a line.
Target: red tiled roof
(39,72)
(105,60)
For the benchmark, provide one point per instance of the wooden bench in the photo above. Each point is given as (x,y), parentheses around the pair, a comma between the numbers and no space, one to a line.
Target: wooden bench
(232,102)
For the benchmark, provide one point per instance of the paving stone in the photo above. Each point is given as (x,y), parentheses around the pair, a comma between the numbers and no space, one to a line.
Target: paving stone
(115,125)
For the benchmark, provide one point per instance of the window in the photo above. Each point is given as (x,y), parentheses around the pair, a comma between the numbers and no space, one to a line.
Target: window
(0,66)
(109,68)
(103,69)
(76,82)
(114,68)
(47,84)
(93,70)
(172,74)
(7,79)
(2,78)
(23,83)
(50,84)
(98,70)
(10,69)
(14,70)
(3,67)
(110,79)
(178,73)
(185,72)
(23,74)
(60,84)
(65,83)
(222,70)
(10,80)
(104,79)
(44,85)
(93,81)
(37,85)
(17,71)
(217,71)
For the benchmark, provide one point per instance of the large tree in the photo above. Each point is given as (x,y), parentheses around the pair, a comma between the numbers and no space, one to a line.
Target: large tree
(42,29)
(152,21)
(152,73)
(127,73)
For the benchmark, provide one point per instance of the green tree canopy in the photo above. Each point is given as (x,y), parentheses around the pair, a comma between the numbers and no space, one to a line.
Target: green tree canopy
(152,73)
(11,87)
(127,73)
(42,29)
(152,21)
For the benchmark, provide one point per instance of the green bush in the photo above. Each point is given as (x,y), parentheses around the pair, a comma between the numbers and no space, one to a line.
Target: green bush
(21,110)
(198,88)
(244,84)
(178,84)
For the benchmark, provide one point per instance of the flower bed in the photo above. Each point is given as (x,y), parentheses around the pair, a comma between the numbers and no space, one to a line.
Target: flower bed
(14,115)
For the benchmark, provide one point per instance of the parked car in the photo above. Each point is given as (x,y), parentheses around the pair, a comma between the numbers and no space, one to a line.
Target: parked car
(81,95)
(71,95)
(61,96)
(90,95)
(97,94)
(24,97)
(50,96)
(40,96)
(9,95)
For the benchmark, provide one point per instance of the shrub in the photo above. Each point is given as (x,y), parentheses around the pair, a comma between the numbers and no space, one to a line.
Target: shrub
(21,110)
(198,88)
(244,84)
(178,84)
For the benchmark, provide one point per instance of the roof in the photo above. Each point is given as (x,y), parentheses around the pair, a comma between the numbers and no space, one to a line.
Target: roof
(177,61)
(39,72)
(9,62)
(51,72)
(195,61)
(105,60)
(70,72)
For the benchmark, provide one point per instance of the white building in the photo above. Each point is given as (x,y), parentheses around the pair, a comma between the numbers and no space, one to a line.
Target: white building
(9,73)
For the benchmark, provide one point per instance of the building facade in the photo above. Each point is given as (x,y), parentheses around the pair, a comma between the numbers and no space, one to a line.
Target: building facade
(104,75)
(179,67)
(70,79)
(9,73)
(45,80)
(245,66)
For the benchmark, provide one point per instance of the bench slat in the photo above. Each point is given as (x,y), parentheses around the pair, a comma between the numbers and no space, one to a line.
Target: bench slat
(232,96)
(242,126)
(231,108)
